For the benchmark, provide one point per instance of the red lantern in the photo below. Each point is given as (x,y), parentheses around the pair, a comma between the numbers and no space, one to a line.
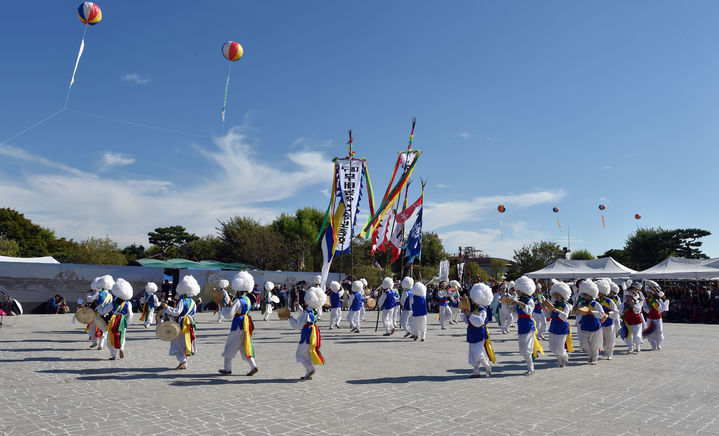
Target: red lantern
(637,216)
(501,208)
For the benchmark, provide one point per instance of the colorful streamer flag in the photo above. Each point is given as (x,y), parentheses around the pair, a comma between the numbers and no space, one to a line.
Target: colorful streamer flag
(395,242)
(393,194)
(408,211)
(379,237)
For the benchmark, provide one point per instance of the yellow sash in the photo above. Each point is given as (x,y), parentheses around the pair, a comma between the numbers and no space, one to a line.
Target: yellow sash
(316,358)
(488,348)
(537,346)
(248,336)
(568,340)
(186,324)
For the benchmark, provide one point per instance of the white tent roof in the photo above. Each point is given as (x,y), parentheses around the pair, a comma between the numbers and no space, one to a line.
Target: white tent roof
(605,267)
(46,259)
(681,268)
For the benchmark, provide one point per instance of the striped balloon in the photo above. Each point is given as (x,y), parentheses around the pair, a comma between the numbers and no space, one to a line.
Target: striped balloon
(89,13)
(232,50)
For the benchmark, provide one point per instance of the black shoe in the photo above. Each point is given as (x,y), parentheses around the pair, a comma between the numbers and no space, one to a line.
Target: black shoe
(225,372)
(386,334)
(253,371)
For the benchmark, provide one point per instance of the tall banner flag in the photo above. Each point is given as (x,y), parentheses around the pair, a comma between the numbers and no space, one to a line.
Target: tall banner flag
(414,241)
(329,243)
(460,270)
(349,188)
(444,271)
(381,233)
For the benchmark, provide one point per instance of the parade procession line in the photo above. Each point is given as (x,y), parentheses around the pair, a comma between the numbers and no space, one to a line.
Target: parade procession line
(53,383)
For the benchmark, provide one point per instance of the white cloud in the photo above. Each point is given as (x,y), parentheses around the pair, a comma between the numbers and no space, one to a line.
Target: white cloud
(111,160)
(464,135)
(439,185)
(135,78)
(307,144)
(449,213)
(77,204)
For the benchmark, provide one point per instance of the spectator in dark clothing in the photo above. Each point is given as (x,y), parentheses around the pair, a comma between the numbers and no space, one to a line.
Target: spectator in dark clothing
(56,305)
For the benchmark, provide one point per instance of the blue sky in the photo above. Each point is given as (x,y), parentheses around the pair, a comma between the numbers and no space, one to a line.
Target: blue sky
(527,104)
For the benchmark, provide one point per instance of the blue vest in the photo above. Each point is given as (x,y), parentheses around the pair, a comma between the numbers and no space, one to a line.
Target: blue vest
(188,309)
(537,304)
(238,321)
(609,321)
(150,300)
(477,334)
(408,301)
(116,308)
(419,306)
(307,328)
(357,302)
(335,301)
(444,301)
(590,322)
(557,326)
(389,301)
(524,321)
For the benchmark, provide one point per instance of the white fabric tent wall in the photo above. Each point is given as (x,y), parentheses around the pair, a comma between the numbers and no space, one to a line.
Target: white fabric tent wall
(605,267)
(46,259)
(681,268)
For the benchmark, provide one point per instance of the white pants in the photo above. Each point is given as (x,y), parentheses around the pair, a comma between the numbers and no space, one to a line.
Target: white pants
(335,316)
(608,341)
(303,356)
(396,311)
(235,343)
(100,342)
(526,348)
(419,326)
(656,337)
(455,314)
(150,319)
(591,343)
(361,313)
(113,350)
(219,313)
(541,322)
(404,321)
(388,320)
(177,348)
(445,315)
(353,317)
(635,341)
(477,356)
(268,312)
(514,316)
(556,346)
(505,319)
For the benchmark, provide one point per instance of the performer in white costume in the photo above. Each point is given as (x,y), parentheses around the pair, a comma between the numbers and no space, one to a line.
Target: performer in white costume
(184,346)
(268,303)
(406,304)
(336,293)
(121,316)
(356,302)
(653,306)
(149,302)
(419,311)
(308,349)
(223,284)
(387,303)
(560,339)
(240,337)
(101,298)
(591,323)
(477,335)
(612,312)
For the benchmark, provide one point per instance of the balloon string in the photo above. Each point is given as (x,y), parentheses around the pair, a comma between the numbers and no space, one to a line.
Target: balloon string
(558,224)
(133,123)
(603,225)
(33,126)
(77,62)
(224,103)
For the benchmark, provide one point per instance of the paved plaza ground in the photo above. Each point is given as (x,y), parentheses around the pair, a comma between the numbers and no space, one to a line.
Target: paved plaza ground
(52,383)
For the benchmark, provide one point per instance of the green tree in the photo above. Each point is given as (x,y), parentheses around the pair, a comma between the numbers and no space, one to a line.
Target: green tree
(648,246)
(432,249)
(204,248)
(166,238)
(63,250)
(498,267)
(9,247)
(299,232)
(582,254)
(99,251)
(533,257)
(246,240)
(133,252)
(31,238)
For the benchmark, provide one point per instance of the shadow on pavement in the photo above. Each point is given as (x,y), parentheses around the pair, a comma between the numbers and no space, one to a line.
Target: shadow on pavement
(240,380)
(405,379)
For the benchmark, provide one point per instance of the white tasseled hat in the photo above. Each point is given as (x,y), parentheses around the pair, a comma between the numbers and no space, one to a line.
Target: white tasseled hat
(103,282)
(364,282)
(243,282)
(481,294)
(122,289)
(613,287)
(150,288)
(407,282)
(603,286)
(315,298)
(269,286)
(223,284)
(188,287)
(318,280)
(454,284)
(357,286)
(590,288)
(562,289)
(335,286)
(419,289)
(387,283)
(525,285)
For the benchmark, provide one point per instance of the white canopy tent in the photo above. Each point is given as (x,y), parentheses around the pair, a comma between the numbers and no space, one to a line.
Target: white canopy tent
(681,268)
(46,259)
(605,267)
